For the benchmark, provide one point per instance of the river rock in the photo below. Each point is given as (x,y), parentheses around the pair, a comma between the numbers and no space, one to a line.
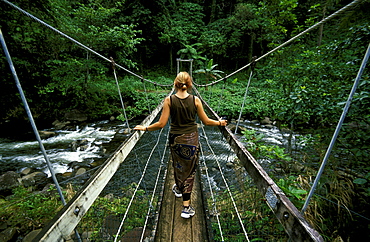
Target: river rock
(81,144)
(75,115)
(269,126)
(110,226)
(75,165)
(35,179)
(125,131)
(135,235)
(26,171)
(30,236)
(80,171)
(8,181)
(8,234)
(46,134)
(232,128)
(265,121)
(60,125)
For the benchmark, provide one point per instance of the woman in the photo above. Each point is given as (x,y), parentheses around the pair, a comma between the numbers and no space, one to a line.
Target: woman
(183,107)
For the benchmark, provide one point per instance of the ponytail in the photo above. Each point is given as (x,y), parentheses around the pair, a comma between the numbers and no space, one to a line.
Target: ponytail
(183,81)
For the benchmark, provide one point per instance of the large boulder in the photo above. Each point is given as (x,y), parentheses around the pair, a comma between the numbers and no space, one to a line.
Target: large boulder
(75,115)
(82,144)
(8,181)
(38,179)
(232,128)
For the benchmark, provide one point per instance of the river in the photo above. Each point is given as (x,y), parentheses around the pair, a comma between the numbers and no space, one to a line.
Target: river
(18,155)
(97,137)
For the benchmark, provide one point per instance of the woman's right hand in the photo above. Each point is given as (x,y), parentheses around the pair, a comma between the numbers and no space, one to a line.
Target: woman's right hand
(140,127)
(223,122)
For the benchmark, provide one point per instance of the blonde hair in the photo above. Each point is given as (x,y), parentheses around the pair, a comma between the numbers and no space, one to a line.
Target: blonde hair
(183,81)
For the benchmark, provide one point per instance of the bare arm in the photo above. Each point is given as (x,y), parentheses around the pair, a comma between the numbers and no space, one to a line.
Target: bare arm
(162,120)
(204,118)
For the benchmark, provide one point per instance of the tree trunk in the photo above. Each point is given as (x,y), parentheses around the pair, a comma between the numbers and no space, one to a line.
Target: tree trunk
(213,11)
(171,59)
(321,29)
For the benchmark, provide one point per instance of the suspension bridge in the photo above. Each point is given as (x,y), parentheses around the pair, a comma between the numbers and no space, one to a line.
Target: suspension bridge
(129,197)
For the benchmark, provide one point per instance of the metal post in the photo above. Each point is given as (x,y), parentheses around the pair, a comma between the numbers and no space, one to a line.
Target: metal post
(178,66)
(339,125)
(185,60)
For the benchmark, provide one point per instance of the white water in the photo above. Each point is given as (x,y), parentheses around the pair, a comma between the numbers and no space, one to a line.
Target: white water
(20,155)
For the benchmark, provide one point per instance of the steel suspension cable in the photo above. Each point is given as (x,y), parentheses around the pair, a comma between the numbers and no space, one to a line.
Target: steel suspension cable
(120,95)
(226,184)
(340,11)
(147,98)
(339,125)
(245,97)
(137,186)
(79,43)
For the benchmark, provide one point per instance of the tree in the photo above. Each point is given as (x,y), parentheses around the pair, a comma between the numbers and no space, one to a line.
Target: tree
(209,72)
(92,25)
(180,25)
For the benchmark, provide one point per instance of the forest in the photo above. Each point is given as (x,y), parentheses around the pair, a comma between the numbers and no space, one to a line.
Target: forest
(302,86)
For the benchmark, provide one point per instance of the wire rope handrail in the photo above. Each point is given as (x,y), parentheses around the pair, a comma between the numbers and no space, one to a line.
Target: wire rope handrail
(212,195)
(81,45)
(137,187)
(226,184)
(155,188)
(340,11)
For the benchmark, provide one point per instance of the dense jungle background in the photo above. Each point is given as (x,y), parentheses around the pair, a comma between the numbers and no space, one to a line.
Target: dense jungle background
(301,87)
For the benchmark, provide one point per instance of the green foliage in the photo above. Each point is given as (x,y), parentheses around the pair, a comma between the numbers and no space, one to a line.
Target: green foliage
(27,210)
(105,209)
(209,72)
(254,212)
(190,52)
(290,187)
(181,23)
(364,183)
(260,149)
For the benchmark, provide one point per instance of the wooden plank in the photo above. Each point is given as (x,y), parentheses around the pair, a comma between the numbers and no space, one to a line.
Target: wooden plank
(288,215)
(199,223)
(164,231)
(172,227)
(181,227)
(63,224)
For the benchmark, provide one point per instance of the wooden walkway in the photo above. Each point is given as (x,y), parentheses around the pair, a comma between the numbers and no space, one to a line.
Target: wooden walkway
(173,228)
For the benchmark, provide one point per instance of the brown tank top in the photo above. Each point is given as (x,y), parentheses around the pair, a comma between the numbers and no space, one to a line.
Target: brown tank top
(183,113)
